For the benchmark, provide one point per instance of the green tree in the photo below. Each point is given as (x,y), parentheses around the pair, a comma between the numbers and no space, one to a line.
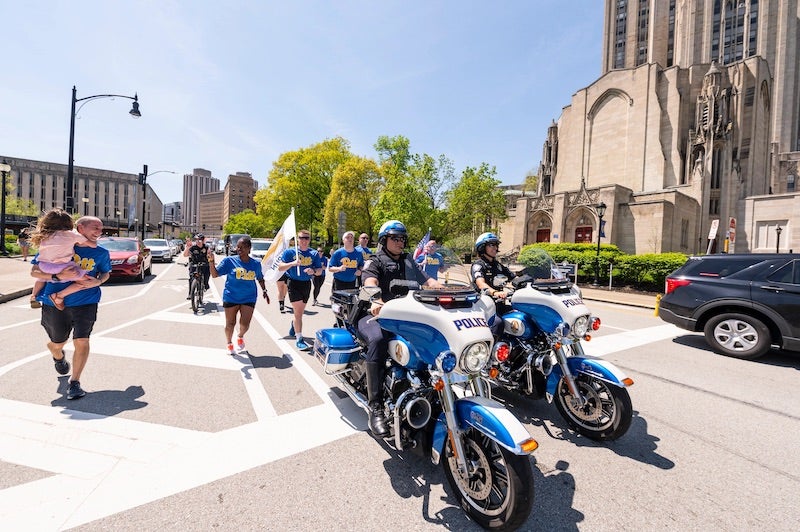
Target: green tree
(249,223)
(16,205)
(301,179)
(531,183)
(354,191)
(475,204)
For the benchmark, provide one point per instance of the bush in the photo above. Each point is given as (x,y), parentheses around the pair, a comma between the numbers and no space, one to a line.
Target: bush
(648,271)
(644,272)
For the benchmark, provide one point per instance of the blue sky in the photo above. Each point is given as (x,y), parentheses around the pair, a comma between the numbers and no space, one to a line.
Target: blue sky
(230,88)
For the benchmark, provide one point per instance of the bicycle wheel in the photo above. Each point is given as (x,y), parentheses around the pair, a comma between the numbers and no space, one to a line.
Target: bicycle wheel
(196,295)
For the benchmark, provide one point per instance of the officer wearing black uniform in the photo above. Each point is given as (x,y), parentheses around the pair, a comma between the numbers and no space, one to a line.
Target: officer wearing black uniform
(485,269)
(388,263)
(198,255)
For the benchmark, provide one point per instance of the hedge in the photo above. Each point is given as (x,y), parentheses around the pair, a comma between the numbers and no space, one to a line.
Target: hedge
(644,272)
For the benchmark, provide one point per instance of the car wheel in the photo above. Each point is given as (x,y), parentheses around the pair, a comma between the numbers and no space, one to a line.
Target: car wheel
(149,270)
(140,277)
(738,335)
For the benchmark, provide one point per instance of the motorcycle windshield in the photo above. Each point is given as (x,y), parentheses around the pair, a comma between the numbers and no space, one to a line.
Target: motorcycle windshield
(444,265)
(542,269)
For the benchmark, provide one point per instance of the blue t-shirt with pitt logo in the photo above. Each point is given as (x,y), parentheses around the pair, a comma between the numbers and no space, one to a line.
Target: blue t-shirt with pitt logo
(240,280)
(308,259)
(94,261)
(351,260)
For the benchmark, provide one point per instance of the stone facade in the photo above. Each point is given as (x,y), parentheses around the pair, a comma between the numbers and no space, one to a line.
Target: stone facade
(693,123)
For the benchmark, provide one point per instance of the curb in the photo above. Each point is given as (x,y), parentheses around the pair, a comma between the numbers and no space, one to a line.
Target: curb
(15,295)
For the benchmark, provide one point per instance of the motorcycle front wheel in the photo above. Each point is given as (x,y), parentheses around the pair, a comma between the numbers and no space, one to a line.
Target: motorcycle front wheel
(606,414)
(498,494)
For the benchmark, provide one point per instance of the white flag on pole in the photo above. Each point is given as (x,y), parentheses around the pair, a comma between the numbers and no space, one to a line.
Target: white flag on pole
(270,262)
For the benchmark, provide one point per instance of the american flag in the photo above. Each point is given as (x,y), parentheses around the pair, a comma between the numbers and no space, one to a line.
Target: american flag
(421,246)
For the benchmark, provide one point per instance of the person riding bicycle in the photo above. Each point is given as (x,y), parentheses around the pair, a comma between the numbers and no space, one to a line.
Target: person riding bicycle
(198,258)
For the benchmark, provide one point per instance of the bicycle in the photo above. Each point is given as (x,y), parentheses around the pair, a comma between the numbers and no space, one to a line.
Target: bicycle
(196,287)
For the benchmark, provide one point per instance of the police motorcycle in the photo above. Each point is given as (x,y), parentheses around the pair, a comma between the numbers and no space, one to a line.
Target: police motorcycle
(435,401)
(539,351)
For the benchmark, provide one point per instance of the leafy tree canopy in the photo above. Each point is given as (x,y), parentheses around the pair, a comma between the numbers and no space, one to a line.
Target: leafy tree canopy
(475,202)
(354,195)
(249,223)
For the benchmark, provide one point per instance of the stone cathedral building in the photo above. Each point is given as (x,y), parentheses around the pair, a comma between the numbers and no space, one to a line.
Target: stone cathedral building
(693,123)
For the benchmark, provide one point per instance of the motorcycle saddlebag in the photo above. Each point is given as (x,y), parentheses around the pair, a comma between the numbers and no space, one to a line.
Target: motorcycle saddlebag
(335,349)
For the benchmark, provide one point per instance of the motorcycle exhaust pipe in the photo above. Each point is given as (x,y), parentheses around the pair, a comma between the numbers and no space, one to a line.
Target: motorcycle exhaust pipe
(417,412)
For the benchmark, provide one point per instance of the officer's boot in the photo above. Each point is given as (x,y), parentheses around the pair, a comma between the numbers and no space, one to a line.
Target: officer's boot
(377,419)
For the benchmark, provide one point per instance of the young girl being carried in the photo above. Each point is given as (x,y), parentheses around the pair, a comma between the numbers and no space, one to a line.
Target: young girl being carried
(55,236)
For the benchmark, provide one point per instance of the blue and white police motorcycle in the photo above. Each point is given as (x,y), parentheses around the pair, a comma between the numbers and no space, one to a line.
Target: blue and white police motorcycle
(539,351)
(435,400)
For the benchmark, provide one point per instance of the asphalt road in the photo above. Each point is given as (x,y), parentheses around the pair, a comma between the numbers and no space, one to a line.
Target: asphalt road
(176,435)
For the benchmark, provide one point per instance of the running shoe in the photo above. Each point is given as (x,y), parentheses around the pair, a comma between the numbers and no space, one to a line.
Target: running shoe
(291,329)
(240,345)
(75,391)
(301,345)
(281,306)
(62,366)
(230,350)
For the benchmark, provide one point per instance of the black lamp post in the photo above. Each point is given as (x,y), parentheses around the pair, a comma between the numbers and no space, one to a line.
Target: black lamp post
(5,168)
(69,201)
(118,214)
(778,245)
(143,182)
(601,211)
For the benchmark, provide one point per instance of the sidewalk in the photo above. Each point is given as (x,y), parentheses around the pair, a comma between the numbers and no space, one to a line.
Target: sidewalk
(15,277)
(620,297)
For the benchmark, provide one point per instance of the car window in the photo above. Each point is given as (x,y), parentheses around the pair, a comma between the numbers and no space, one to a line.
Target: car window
(118,245)
(789,274)
(722,267)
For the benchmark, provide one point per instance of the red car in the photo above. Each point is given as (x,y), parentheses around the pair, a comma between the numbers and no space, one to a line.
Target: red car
(129,257)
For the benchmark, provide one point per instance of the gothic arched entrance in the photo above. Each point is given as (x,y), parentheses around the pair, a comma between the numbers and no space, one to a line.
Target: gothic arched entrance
(540,227)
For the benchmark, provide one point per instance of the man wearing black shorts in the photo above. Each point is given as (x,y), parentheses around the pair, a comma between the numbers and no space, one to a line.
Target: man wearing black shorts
(301,264)
(80,308)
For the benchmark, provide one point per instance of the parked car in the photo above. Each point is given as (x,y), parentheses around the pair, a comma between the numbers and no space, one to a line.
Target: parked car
(743,303)
(219,249)
(230,242)
(160,249)
(129,257)
(178,244)
(260,247)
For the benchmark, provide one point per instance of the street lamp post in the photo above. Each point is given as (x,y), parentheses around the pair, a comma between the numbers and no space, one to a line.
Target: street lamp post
(134,112)
(778,245)
(143,182)
(85,206)
(5,168)
(601,211)
(118,215)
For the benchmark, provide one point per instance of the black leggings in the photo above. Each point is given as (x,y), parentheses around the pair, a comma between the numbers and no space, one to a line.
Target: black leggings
(318,282)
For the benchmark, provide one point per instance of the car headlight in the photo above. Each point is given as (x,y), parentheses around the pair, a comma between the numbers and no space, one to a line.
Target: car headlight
(580,327)
(475,357)
(133,259)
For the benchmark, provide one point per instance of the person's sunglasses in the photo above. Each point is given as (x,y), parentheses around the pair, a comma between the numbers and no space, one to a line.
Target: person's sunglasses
(304,237)
(397,238)
(493,244)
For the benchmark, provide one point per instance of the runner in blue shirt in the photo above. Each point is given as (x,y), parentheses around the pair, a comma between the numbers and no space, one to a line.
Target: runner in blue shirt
(301,264)
(363,248)
(240,293)
(431,261)
(346,263)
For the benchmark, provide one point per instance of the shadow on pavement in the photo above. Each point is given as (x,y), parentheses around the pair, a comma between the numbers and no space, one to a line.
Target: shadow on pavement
(101,402)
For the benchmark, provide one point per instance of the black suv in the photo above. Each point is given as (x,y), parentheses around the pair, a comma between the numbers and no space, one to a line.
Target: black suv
(743,303)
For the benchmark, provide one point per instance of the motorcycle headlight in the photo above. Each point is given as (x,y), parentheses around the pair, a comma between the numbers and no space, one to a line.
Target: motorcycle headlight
(580,327)
(474,357)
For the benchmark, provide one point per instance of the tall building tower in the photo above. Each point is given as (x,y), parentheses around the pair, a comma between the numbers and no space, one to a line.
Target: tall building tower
(194,184)
(690,136)
(240,191)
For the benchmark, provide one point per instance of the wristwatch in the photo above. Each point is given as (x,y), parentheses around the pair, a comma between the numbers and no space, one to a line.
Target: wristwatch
(55,277)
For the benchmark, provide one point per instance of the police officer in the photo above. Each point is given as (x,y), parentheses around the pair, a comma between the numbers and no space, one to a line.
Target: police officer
(198,255)
(486,268)
(390,262)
